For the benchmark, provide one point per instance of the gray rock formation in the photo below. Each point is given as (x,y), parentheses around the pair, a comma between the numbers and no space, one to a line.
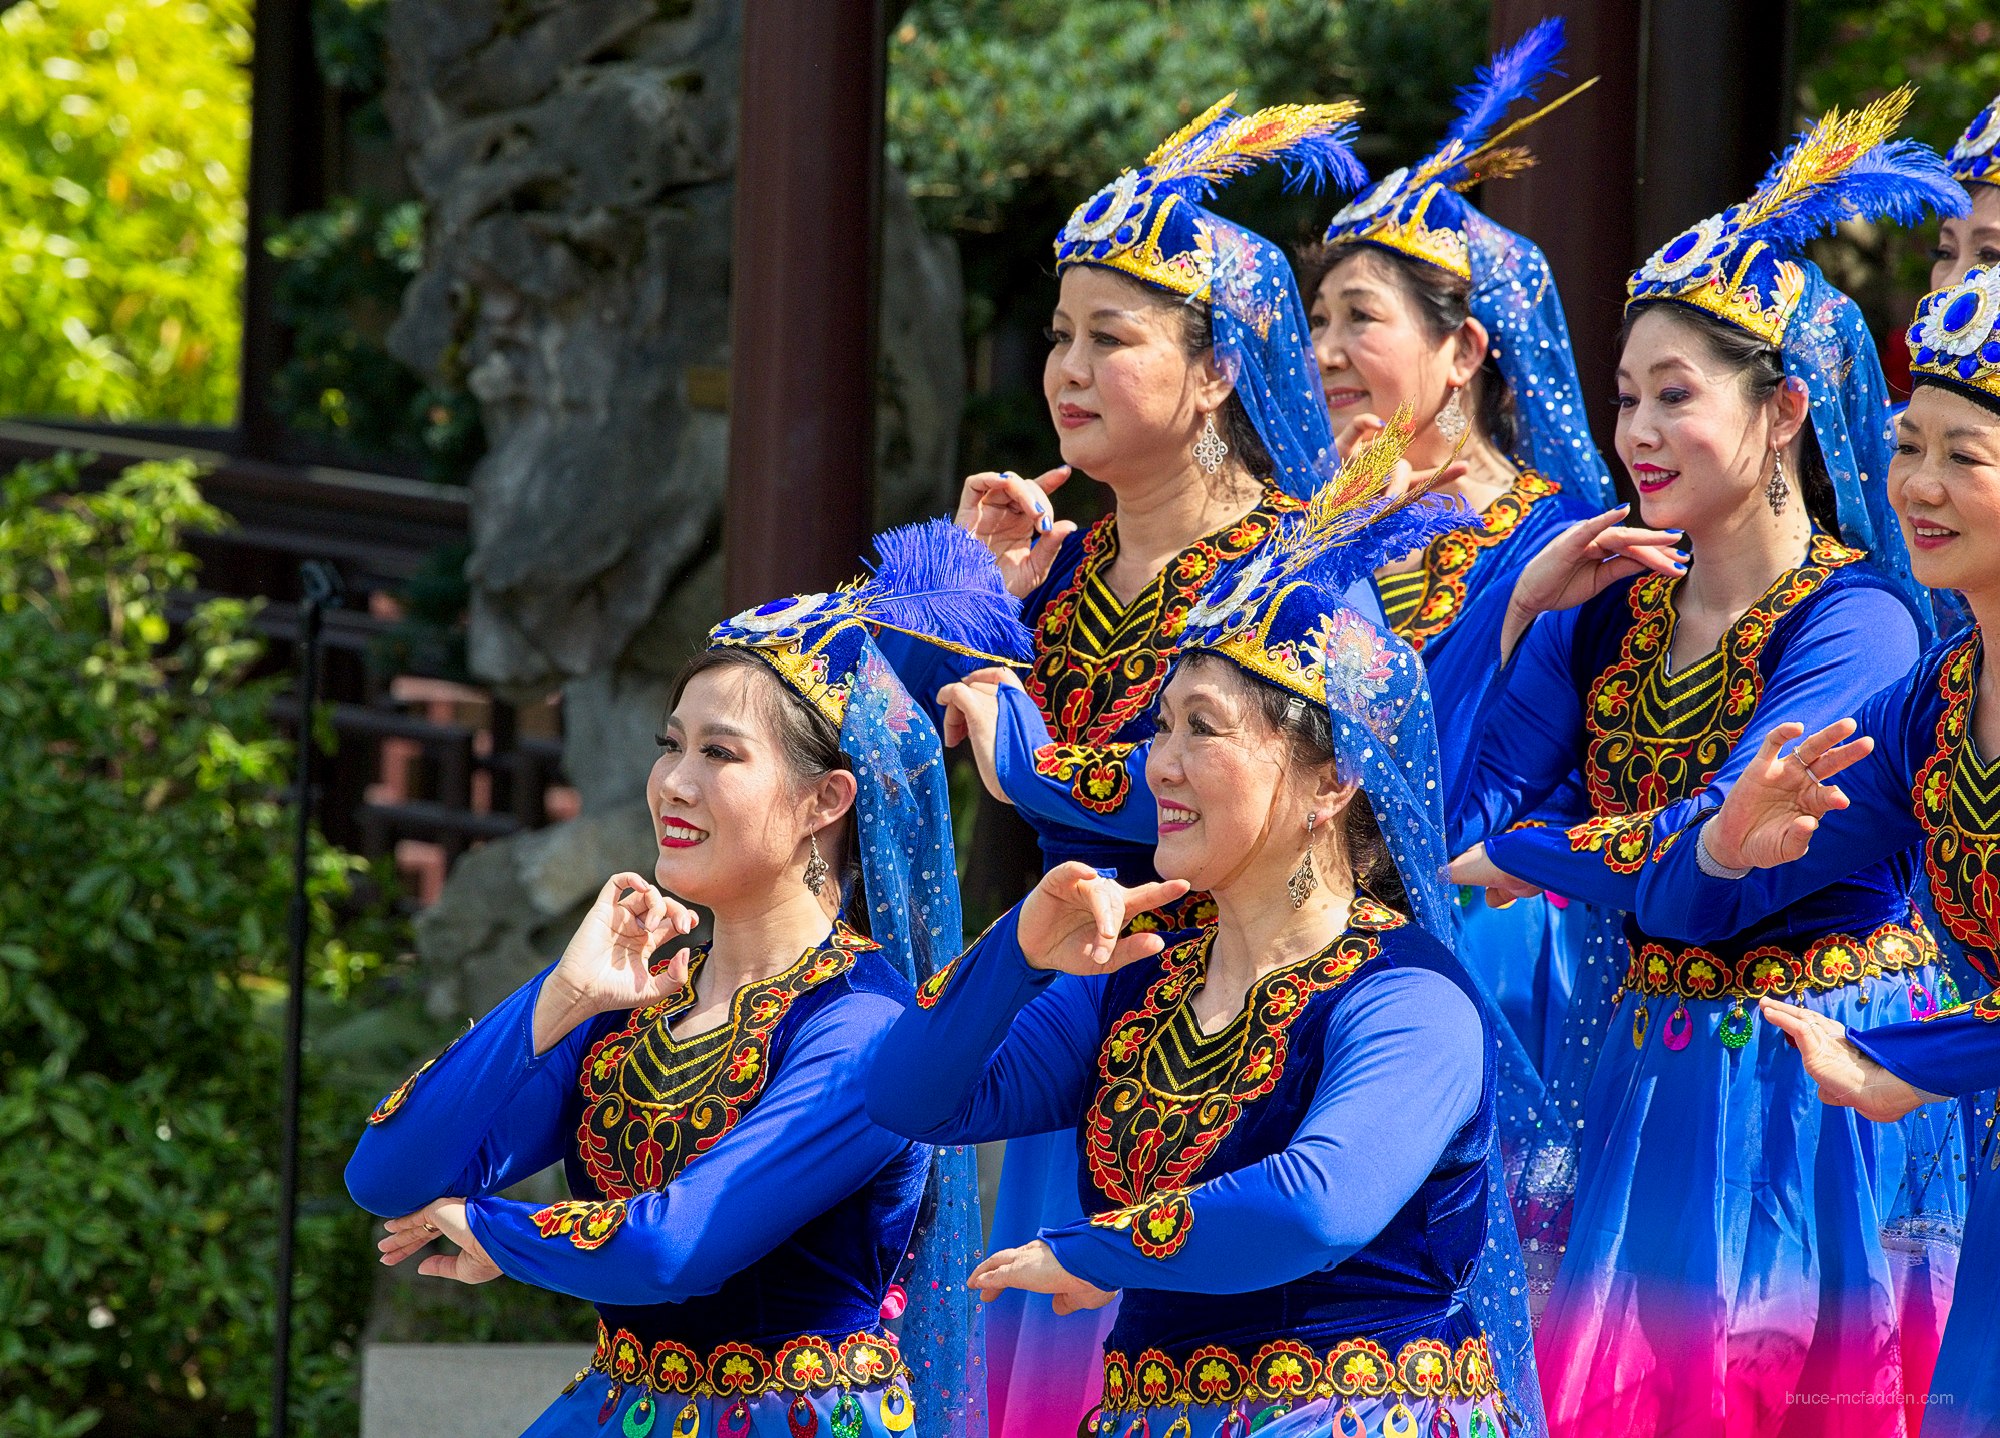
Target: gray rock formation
(576,160)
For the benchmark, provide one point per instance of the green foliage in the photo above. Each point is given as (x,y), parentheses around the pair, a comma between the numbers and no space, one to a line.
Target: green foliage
(124,133)
(990,99)
(344,271)
(1857,50)
(145,838)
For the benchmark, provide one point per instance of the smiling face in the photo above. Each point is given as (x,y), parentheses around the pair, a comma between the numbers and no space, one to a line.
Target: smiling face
(1944,483)
(1375,351)
(731,812)
(1697,446)
(1126,399)
(1974,240)
(1220,771)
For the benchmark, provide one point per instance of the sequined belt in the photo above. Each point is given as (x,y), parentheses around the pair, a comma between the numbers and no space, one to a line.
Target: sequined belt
(1830,962)
(809,1364)
(1288,1370)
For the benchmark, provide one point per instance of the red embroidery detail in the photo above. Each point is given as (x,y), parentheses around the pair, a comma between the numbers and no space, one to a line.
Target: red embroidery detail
(1959,809)
(1654,739)
(587,1224)
(1099,776)
(1088,700)
(652,1106)
(1149,1131)
(1449,560)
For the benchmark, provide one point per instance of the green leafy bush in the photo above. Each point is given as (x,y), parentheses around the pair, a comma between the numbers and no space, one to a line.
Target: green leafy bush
(142,939)
(124,140)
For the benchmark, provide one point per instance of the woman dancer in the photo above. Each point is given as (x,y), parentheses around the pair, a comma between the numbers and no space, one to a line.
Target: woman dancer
(1752,417)
(1230,1089)
(738,1219)
(1974,238)
(1922,775)
(1418,298)
(1204,423)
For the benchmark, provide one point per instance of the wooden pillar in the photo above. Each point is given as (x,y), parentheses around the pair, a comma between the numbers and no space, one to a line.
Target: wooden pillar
(287,177)
(1695,96)
(802,304)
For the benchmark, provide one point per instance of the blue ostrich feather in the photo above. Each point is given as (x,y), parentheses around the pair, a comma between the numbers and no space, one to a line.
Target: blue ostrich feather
(934,580)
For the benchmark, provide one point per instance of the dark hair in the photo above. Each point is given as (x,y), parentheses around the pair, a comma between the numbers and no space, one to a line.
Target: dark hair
(1198,338)
(1442,303)
(1308,732)
(810,743)
(1761,368)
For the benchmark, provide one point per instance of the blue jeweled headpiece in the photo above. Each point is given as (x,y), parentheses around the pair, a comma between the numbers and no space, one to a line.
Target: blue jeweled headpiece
(939,585)
(1285,619)
(1955,342)
(935,583)
(1150,224)
(1975,159)
(1417,212)
(1746,266)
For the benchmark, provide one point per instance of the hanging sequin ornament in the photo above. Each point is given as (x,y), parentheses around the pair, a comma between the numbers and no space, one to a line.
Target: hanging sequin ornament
(1451,421)
(1138,1428)
(1179,1428)
(846,1420)
(735,1421)
(1209,449)
(1443,1425)
(1401,1422)
(1677,1038)
(1948,997)
(1776,492)
(898,1412)
(1481,1424)
(1641,1016)
(640,1417)
(1922,1005)
(801,1418)
(1349,1422)
(688,1425)
(1736,1026)
(612,1394)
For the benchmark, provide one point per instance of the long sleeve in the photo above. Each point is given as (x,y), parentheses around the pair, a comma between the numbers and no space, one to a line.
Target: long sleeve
(1401,1034)
(993,1049)
(1676,900)
(1950,1054)
(484,1114)
(806,1144)
(1527,717)
(1098,788)
(1857,639)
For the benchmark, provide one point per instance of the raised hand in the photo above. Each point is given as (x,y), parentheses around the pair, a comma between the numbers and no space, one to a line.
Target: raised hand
(1847,1077)
(610,964)
(1582,561)
(1476,870)
(1775,805)
(972,714)
(1072,919)
(1033,1268)
(444,1218)
(1013,518)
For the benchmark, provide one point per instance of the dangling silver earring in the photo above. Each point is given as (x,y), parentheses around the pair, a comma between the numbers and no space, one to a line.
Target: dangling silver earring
(816,868)
(1451,421)
(1209,449)
(1304,879)
(1777,493)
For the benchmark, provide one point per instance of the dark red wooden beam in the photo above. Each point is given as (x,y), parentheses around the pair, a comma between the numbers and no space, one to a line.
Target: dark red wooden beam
(802,303)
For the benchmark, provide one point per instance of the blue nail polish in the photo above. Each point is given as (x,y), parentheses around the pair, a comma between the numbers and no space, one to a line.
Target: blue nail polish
(1107,873)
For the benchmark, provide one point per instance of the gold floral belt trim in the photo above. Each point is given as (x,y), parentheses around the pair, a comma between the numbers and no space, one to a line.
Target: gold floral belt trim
(808,1364)
(1286,1369)
(1831,962)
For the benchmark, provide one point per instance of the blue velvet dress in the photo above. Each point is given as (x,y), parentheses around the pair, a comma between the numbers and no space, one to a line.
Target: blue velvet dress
(1925,786)
(1736,1257)
(1278,1169)
(1522,953)
(737,1218)
(1070,754)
